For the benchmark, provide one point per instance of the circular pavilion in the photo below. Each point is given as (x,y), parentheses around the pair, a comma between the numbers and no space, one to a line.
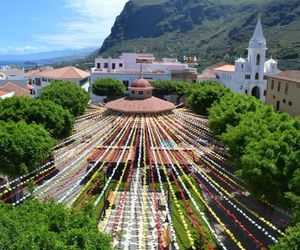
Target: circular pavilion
(140,100)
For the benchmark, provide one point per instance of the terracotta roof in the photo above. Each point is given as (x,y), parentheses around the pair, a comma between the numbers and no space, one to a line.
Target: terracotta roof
(146,58)
(19,91)
(69,72)
(141,83)
(2,93)
(288,75)
(145,106)
(31,73)
(217,65)
(226,67)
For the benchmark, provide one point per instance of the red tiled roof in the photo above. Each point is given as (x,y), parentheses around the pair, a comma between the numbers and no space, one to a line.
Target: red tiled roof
(288,75)
(19,91)
(145,106)
(141,83)
(217,65)
(31,73)
(69,72)
(2,93)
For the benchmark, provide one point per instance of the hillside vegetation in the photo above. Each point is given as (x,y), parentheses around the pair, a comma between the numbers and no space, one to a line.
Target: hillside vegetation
(213,30)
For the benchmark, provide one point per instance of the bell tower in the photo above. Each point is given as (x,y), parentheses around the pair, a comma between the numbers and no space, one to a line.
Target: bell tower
(257,55)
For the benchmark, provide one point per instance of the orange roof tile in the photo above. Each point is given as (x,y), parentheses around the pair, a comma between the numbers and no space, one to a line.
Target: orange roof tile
(145,106)
(2,93)
(288,75)
(226,67)
(69,72)
(19,91)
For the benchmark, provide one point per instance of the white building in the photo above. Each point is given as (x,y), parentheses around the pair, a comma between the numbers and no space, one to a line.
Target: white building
(42,78)
(128,67)
(248,75)
(11,73)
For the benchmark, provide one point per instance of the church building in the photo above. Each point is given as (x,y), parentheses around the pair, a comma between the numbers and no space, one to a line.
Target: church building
(248,75)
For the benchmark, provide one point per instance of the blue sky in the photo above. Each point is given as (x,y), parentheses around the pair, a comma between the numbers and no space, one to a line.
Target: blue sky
(30,26)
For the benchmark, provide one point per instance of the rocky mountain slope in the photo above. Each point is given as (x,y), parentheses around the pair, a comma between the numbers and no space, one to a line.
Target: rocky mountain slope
(213,30)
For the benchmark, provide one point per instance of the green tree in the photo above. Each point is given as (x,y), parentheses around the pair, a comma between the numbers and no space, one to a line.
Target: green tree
(266,146)
(56,120)
(23,147)
(48,226)
(230,110)
(108,87)
(67,94)
(205,95)
(291,240)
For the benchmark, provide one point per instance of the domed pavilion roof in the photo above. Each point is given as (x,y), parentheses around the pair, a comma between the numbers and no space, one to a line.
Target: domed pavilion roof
(141,83)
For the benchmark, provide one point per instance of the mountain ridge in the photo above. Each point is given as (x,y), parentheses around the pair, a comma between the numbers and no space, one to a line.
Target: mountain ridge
(212,30)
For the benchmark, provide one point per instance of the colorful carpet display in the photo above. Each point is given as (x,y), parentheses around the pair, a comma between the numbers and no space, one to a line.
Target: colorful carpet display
(153,182)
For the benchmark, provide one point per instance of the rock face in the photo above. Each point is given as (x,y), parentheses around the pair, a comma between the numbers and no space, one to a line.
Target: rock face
(209,29)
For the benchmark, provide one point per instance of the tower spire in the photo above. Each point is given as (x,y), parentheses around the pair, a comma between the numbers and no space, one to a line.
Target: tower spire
(258,33)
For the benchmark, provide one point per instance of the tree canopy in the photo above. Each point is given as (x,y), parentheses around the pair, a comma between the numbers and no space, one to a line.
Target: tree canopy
(204,95)
(49,226)
(23,147)
(169,87)
(108,87)
(291,240)
(230,110)
(56,120)
(67,94)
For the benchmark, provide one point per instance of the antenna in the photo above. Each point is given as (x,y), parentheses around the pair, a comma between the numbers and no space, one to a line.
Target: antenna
(141,71)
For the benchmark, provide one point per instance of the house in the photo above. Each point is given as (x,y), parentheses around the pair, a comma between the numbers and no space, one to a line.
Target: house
(43,77)
(283,92)
(11,89)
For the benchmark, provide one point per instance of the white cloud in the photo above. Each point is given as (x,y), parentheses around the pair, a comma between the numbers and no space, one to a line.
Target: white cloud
(90,26)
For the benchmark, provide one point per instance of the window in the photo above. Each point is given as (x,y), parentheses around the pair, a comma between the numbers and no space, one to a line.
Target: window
(98,65)
(141,92)
(247,77)
(279,86)
(272,84)
(265,77)
(265,92)
(241,88)
(256,76)
(274,96)
(38,81)
(286,91)
(113,66)
(258,59)
(120,65)
(106,65)
(44,79)
(133,92)
(290,103)
(284,101)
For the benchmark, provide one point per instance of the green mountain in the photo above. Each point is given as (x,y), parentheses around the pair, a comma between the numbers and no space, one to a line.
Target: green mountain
(213,30)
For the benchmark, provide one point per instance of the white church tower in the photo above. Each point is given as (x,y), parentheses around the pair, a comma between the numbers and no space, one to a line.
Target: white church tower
(249,75)
(256,58)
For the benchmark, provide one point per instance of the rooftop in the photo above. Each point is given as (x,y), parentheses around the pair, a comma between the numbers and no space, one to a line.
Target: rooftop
(288,75)
(69,72)
(150,105)
(19,91)
(226,67)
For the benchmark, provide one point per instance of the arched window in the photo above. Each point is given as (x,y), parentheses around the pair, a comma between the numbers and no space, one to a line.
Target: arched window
(256,76)
(258,59)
